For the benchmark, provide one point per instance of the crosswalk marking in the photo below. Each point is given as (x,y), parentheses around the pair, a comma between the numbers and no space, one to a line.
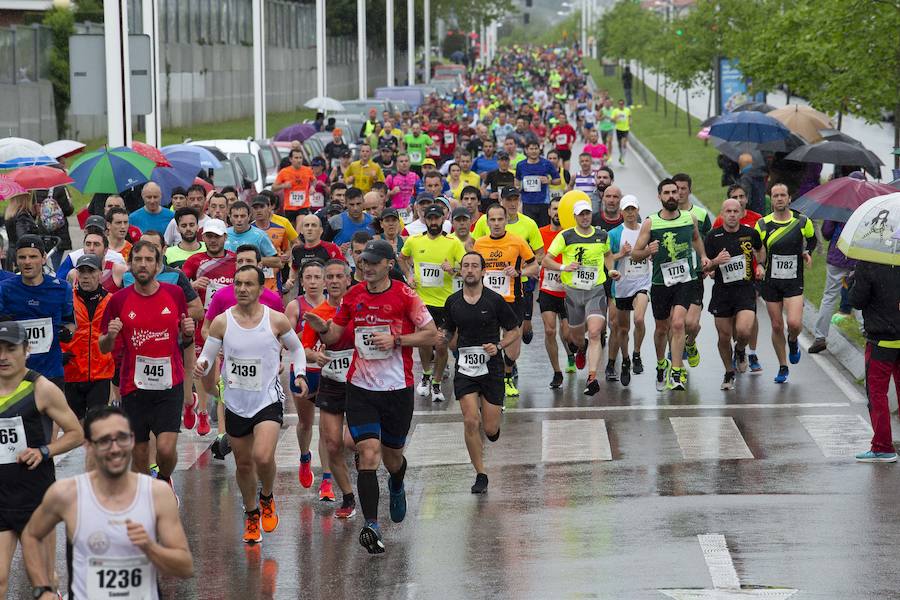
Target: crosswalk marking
(838,435)
(574,441)
(709,438)
(437,444)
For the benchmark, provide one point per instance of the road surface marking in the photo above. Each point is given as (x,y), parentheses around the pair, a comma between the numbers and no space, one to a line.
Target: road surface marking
(850,391)
(574,441)
(287,454)
(709,438)
(838,435)
(437,444)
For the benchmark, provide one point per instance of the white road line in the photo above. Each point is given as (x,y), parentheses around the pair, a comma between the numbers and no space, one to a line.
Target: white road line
(709,438)
(574,441)
(651,407)
(838,435)
(851,391)
(718,561)
(437,444)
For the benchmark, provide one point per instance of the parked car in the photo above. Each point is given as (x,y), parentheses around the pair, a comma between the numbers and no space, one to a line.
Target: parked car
(247,153)
(271,158)
(361,107)
(231,174)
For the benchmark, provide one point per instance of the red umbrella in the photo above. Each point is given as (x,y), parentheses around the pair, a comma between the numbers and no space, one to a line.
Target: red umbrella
(151,152)
(40,178)
(204,184)
(837,199)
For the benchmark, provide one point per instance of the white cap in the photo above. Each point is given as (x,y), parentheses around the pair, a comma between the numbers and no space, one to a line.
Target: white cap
(581,206)
(629,200)
(215,226)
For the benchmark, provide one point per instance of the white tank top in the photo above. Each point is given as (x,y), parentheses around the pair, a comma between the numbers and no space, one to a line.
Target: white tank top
(105,564)
(252,361)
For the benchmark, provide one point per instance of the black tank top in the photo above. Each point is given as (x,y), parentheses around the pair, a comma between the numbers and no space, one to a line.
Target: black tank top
(21,489)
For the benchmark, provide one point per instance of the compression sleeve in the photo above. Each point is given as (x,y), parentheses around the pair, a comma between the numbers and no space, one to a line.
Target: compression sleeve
(210,352)
(295,350)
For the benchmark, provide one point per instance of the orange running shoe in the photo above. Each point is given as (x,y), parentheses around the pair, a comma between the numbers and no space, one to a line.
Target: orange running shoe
(269,516)
(252,533)
(326,491)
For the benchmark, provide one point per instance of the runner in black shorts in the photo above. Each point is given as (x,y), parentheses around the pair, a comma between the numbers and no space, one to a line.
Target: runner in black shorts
(552,303)
(475,316)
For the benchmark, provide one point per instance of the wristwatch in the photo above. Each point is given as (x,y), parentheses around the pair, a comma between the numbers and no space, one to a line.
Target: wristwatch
(45,452)
(37,592)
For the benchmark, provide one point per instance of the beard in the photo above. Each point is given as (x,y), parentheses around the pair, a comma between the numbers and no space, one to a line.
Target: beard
(555,221)
(189,237)
(434,229)
(670,205)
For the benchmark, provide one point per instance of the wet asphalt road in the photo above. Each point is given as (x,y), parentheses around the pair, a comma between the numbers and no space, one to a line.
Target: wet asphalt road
(617,496)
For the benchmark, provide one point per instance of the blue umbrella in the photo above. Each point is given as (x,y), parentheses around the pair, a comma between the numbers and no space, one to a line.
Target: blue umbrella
(181,174)
(749,126)
(207,159)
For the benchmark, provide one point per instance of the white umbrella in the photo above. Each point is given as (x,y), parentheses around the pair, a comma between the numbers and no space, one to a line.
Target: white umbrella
(19,152)
(869,232)
(61,148)
(324,104)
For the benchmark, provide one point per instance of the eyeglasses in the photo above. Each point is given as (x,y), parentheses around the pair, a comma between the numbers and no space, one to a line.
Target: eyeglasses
(123,440)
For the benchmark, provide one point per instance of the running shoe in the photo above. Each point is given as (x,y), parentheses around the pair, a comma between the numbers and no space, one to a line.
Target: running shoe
(511,390)
(370,538)
(755,367)
(877,457)
(677,379)
(326,491)
(347,509)
(557,380)
(221,447)
(611,374)
(154,470)
(793,351)
(818,345)
(728,382)
(425,385)
(481,484)
(625,375)
(268,516)
(304,473)
(570,367)
(397,502)
(592,387)
(662,373)
(740,360)
(190,413)
(203,427)
(782,376)
(838,317)
(621,160)
(252,532)
(637,365)
(527,336)
(581,357)
(693,354)
(436,394)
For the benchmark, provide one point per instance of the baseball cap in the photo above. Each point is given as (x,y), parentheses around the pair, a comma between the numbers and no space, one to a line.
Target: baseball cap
(12,332)
(89,260)
(215,226)
(376,251)
(581,206)
(390,213)
(629,200)
(434,211)
(95,221)
(259,200)
(509,191)
(31,241)
(461,212)
(424,197)
(318,160)
(443,201)
(347,154)
(429,161)
(503,155)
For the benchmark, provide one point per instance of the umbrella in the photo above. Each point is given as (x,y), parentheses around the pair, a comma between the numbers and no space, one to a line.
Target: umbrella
(298,132)
(748,126)
(63,148)
(9,188)
(151,152)
(207,159)
(869,232)
(324,103)
(110,171)
(19,152)
(709,122)
(838,153)
(834,135)
(755,107)
(204,184)
(803,120)
(837,199)
(180,173)
(895,183)
(40,178)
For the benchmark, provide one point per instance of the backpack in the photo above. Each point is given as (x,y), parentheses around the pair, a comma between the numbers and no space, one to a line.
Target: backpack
(51,216)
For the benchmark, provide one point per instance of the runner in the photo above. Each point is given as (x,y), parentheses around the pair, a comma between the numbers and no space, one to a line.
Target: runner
(609,218)
(462,230)
(364,172)
(597,150)
(195,200)
(187,222)
(29,405)
(429,261)
(262,220)
(387,319)
(242,232)
(402,185)
(621,116)
(563,136)
(733,247)
(414,144)
(471,201)
(789,238)
(344,225)
(294,181)
(586,258)
(533,176)
(474,317)
(251,336)
(586,179)
(607,125)
(552,302)
(503,176)
(312,248)
(631,291)
(672,235)
(117,231)
(123,528)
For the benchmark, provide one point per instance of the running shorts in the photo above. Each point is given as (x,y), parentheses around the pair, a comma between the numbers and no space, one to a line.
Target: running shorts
(663,299)
(156,411)
(237,426)
(581,304)
(380,415)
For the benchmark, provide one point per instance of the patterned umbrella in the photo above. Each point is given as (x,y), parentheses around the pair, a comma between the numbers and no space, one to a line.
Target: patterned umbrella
(151,152)
(9,188)
(19,152)
(40,178)
(869,232)
(110,171)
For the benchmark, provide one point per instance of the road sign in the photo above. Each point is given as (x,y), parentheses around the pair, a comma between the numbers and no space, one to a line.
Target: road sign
(87,74)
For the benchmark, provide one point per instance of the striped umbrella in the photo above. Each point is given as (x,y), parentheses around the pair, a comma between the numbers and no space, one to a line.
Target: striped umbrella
(10,188)
(110,171)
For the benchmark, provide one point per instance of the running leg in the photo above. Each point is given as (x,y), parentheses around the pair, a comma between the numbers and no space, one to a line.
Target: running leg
(265,439)
(8,542)
(331,431)
(550,333)
(472,423)
(778,339)
(640,311)
(166,453)
(724,329)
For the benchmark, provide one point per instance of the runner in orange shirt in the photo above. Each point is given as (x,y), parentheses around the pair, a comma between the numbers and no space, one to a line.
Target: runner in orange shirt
(295,182)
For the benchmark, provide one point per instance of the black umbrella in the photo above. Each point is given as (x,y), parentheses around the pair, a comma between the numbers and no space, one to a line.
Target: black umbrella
(835,135)
(734,149)
(838,153)
(755,106)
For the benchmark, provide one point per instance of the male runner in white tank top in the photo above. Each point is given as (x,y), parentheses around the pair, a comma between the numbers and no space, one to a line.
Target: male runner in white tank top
(123,526)
(251,337)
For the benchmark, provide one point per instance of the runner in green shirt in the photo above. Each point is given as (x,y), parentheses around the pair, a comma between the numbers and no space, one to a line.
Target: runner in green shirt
(415,143)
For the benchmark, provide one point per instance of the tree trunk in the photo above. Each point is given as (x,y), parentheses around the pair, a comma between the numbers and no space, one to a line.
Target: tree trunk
(665,101)
(677,89)
(656,103)
(687,108)
(644,83)
(709,102)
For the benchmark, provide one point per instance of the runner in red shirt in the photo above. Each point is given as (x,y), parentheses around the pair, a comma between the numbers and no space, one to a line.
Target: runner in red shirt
(150,318)
(448,129)
(563,137)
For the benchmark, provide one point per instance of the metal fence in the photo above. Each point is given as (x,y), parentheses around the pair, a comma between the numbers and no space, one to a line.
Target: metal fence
(24,53)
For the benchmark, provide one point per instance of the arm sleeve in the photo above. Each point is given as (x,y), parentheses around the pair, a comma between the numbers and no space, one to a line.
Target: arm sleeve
(344,315)
(809,232)
(535,240)
(210,351)
(266,247)
(64,268)
(755,241)
(295,351)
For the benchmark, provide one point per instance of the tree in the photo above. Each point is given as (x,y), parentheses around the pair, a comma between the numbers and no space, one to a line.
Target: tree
(61,23)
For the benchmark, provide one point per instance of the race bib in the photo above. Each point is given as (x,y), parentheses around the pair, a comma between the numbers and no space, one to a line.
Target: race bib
(365,345)
(551,281)
(119,578)
(431,275)
(473,361)
(39,333)
(244,374)
(268,272)
(676,272)
(448,137)
(784,266)
(735,269)
(317,200)
(434,150)
(637,269)
(415,157)
(497,281)
(562,139)
(153,373)
(338,365)
(457,284)
(531,183)
(12,439)
(211,289)
(585,277)
(297,199)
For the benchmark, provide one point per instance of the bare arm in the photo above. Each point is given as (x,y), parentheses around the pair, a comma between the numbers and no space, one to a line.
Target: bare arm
(170,554)
(642,245)
(52,402)
(328,331)
(422,338)
(195,309)
(549,262)
(531,268)
(52,510)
